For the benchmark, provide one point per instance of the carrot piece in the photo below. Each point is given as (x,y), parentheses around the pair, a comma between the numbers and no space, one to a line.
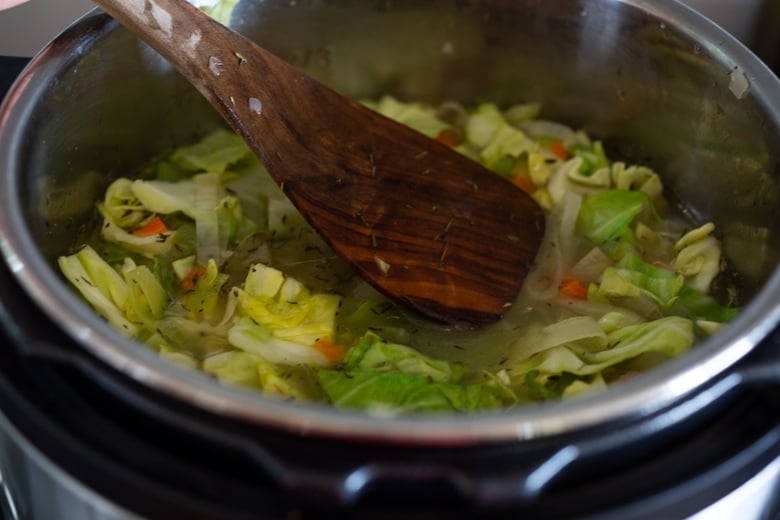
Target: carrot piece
(573,288)
(153,227)
(332,351)
(449,138)
(190,280)
(558,150)
(523,182)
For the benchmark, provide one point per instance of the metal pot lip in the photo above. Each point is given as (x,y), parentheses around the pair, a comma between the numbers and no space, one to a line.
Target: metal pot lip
(635,399)
(625,402)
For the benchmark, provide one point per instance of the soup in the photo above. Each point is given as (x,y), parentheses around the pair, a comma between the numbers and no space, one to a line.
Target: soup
(202,258)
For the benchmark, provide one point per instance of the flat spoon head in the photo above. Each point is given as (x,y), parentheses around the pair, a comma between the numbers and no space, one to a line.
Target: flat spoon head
(432,230)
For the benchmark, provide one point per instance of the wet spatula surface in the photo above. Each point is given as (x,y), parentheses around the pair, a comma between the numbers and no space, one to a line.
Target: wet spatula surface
(432,230)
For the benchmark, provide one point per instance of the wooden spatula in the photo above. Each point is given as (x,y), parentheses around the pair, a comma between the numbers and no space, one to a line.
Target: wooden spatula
(432,230)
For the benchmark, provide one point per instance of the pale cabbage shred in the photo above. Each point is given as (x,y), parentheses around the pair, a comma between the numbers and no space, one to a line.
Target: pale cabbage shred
(220,10)
(274,334)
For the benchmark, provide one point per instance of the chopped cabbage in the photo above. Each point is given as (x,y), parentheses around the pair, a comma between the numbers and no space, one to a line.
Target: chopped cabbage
(636,178)
(202,301)
(146,298)
(543,371)
(165,197)
(592,155)
(414,115)
(218,217)
(250,370)
(608,215)
(576,329)
(214,153)
(101,285)
(631,278)
(234,367)
(389,379)
(495,138)
(182,334)
(698,257)
(373,353)
(150,246)
(220,10)
(122,206)
(281,320)
(258,339)
(395,393)
(235,283)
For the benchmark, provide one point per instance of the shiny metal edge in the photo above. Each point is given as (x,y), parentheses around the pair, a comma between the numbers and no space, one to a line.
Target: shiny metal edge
(34,486)
(641,397)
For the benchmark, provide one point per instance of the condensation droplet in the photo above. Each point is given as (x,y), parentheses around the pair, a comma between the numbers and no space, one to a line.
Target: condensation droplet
(739,84)
(696,48)
(664,30)
(216,66)
(256,106)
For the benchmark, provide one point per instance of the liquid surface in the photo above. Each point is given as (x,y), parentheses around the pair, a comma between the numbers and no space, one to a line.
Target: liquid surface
(202,258)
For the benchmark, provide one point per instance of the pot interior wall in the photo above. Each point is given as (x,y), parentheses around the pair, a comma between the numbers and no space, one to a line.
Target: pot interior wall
(659,90)
(654,91)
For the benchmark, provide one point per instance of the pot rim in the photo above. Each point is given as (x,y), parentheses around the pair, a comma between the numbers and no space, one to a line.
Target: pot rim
(640,397)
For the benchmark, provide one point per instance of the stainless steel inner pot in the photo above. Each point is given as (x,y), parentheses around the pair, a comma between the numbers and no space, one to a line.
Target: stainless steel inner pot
(660,84)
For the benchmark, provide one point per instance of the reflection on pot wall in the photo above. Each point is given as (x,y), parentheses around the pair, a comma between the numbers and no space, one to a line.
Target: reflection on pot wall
(755,22)
(27,28)
(739,17)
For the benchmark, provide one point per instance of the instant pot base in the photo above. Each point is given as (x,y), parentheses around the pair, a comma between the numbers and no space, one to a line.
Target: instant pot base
(70,422)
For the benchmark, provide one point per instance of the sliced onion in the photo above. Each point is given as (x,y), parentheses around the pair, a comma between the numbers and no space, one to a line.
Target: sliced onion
(555,253)
(570,330)
(590,266)
(539,128)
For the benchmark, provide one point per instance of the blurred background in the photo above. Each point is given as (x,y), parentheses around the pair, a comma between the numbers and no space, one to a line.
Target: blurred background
(27,28)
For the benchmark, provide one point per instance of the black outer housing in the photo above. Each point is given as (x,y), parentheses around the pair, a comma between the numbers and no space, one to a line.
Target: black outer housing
(161,458)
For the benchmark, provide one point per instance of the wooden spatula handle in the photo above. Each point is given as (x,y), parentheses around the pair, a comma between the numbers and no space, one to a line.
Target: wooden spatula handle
(431,229)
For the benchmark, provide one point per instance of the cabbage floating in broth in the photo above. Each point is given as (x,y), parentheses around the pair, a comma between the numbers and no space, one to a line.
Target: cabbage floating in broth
(204,260)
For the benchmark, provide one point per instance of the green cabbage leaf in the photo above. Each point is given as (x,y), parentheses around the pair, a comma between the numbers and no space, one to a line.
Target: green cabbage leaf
(632,277)
(251,370)
(495,139)
(215,153)
(414,115)
(608,215)
(390,379)
(551,371)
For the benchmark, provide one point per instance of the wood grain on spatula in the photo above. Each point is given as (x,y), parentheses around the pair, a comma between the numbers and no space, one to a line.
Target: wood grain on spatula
(432,230)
